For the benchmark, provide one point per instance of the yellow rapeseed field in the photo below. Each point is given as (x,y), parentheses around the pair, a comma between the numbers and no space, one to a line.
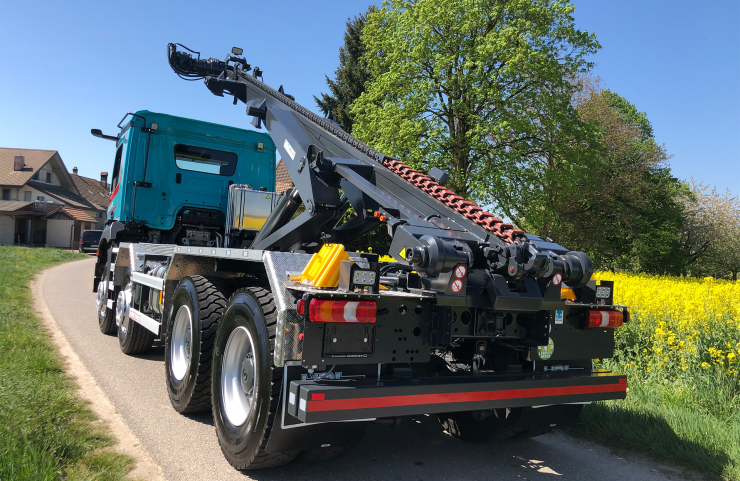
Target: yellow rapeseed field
(678,324)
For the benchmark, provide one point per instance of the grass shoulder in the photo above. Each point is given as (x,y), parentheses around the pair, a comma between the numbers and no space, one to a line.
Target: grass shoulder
(46,430)
(692,421)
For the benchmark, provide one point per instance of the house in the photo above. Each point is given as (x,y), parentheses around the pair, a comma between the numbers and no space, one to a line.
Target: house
(96,192)
(283,181)
(41,204)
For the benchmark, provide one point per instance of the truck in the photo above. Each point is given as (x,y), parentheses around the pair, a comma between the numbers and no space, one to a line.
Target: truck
(295,344)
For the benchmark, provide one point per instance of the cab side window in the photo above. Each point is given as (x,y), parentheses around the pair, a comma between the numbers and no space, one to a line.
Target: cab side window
(208,161)
(118,164)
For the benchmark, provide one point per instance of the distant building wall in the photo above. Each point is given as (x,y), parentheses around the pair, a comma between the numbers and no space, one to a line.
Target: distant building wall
(59,233)
(7,230)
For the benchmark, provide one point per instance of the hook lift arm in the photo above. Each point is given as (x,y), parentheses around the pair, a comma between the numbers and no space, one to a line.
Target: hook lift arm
(433,230)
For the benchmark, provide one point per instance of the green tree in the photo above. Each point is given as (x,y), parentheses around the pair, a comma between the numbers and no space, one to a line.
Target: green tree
(349,78)
(711,232)
(474,87)
(623,207)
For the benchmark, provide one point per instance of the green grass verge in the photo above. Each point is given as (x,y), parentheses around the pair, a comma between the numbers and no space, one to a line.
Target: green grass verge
(46,431)
(693,421)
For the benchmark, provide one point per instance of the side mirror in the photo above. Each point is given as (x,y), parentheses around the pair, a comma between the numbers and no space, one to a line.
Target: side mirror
(98,133)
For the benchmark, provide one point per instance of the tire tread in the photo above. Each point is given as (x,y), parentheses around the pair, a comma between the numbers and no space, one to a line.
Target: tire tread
(261,458)
(212,293)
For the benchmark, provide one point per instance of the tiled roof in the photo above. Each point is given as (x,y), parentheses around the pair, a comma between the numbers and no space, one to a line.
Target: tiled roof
(283,181)
(75,214)
(62,194)
(13,205)
(92,190)
(34,160)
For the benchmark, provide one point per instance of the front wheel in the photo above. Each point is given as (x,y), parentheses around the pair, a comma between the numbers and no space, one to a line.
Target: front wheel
(106,315)
(132,336)
(245,385)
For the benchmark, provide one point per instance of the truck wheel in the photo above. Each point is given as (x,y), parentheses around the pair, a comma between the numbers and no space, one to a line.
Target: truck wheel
(506,424)
(106,316)
(132,336)
(246,387)
(197,306)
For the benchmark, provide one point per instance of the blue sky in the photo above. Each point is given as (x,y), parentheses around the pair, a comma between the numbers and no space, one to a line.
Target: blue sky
(67,67)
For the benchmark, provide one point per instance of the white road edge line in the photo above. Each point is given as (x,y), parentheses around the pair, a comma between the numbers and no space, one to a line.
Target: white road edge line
(127,442)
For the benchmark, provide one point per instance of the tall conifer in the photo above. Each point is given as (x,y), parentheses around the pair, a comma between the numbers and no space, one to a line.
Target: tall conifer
(350,76)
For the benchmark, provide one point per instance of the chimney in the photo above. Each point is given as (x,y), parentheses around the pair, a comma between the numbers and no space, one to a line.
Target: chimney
(74,170)
(104,179)
(19,163)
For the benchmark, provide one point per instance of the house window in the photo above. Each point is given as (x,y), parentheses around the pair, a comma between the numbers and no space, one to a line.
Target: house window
(27,196)
(41,198)
(6,194)
(35,176)
(48,177)
(100,215)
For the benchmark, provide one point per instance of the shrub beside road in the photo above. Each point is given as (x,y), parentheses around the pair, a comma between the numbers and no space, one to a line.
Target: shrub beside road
(46,431)
(680,353)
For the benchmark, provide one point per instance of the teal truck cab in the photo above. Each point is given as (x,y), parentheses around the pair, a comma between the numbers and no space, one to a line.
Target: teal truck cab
(171,178)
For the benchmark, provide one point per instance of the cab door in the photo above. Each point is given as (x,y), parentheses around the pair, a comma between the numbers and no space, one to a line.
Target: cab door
(118,181)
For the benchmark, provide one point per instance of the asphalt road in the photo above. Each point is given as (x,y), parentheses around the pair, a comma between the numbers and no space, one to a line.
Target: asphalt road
(186,447)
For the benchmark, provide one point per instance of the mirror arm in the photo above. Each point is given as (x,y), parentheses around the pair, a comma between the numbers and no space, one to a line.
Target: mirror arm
(99,134)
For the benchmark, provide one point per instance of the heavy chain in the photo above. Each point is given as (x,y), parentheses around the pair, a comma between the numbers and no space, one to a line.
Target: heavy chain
(488,221)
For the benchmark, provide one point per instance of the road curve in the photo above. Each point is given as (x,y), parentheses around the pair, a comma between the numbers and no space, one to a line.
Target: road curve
(186,448)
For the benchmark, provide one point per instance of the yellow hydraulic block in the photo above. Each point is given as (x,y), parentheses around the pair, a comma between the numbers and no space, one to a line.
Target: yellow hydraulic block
(323,268)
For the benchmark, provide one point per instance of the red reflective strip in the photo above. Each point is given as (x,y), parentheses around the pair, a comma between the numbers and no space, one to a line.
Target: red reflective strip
(458,397)
(115,191)
(317,396)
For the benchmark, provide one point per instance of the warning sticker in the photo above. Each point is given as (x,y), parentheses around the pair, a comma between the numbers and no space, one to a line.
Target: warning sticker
(456,285)
(558,317)
(545,352)
(402,254)
(289,149)
(557,279)
(460,271)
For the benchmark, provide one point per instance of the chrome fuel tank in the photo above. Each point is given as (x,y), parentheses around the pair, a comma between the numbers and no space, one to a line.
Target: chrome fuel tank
(248,209)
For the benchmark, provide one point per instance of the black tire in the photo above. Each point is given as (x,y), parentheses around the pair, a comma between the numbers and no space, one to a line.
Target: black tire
(251,314)
(506,424)
(132,336)
(106,316)
(204,300)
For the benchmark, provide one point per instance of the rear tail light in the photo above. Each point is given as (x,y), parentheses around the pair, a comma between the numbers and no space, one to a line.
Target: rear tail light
(363,312)
(600,319)
(301,307)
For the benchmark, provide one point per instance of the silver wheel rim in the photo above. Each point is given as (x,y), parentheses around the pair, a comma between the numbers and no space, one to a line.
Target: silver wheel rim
(123,305)
(102,299)
(238,377)
(182,343)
